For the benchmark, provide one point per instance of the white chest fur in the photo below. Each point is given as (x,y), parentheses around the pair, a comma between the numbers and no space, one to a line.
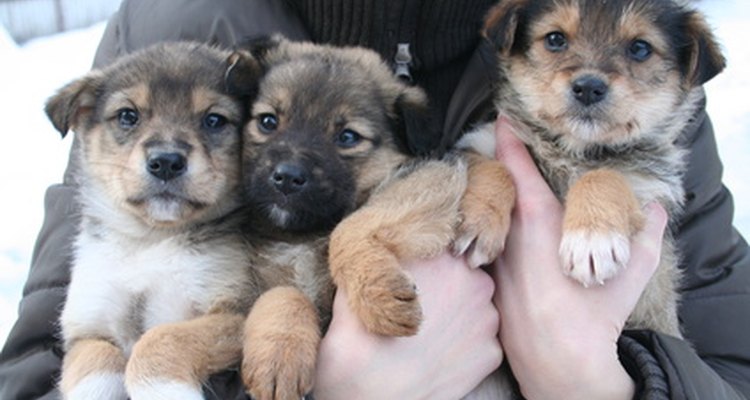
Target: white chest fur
(122,286)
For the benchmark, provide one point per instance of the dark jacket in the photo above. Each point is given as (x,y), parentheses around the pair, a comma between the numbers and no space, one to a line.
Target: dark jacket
(713,364)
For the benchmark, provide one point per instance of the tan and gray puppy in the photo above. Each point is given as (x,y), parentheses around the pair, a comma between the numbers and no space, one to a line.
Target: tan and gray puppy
(161,280)
(600,92)
(327,139)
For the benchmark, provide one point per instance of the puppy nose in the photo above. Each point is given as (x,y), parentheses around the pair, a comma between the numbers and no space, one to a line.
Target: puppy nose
(589,89)
(166,166)
(289,178)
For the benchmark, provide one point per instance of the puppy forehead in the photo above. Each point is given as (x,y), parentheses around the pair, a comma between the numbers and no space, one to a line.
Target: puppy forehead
(602,22)
(325,90)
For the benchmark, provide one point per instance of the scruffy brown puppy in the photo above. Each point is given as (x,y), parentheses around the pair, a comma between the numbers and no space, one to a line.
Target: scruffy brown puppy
(328,135)
(600,92)
(161,280)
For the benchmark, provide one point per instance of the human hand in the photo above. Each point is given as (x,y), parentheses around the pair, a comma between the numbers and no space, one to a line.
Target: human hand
(455,348)
(560,338)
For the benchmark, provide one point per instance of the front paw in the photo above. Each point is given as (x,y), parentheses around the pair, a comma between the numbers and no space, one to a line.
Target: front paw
(386,302)
(276,371)
(481,237)
(593,257)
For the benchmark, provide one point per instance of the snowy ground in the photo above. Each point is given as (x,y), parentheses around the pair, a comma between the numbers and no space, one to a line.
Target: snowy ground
(34,156)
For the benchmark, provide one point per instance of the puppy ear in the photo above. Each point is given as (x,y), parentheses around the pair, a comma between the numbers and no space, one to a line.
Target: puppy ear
(416,131)
(702,56)
(67,108)
(243,74)
(249,63)
(501,24)
(259,47)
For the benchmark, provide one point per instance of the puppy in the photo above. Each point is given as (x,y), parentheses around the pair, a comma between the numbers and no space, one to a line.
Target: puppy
(328,140)
(161,280)
(600,92)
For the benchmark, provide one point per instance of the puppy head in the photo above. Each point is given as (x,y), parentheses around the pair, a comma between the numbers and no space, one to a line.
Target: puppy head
(328,125)
(600,72)
(159,135)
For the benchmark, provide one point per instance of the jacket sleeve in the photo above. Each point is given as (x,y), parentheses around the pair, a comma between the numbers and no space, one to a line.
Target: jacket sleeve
(713,362)
(31,358)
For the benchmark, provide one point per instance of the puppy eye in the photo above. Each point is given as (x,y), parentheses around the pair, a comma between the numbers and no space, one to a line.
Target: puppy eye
(348,138)
(640,50)
(268,123)
(127,118)
(214,121)
(555,42)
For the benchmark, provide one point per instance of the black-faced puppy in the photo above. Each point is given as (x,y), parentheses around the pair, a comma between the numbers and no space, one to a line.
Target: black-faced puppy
(600,92)
(327,139)
(161,279)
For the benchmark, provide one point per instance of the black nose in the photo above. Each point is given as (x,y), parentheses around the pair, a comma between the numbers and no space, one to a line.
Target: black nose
(589,89)
(289,177)
(166,166)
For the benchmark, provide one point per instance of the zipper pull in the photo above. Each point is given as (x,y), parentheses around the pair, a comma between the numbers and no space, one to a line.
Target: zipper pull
(403,61)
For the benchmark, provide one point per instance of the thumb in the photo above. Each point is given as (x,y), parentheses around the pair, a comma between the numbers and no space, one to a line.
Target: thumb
(511,151)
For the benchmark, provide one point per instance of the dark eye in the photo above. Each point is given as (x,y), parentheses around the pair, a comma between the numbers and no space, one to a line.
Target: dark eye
(127,118)
(348,138)
(555,42)
(268,123)
(640,50)
(214,121)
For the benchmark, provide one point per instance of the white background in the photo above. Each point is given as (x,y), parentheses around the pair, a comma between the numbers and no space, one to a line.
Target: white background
(33,156)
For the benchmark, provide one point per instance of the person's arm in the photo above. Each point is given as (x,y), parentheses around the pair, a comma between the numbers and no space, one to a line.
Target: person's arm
(455,348)
(543,343)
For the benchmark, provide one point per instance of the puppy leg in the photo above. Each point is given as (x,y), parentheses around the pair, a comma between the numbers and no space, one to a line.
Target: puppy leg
(93,369)
(171,361)
(601,215)
(485,211)
(413,217)
(282,333)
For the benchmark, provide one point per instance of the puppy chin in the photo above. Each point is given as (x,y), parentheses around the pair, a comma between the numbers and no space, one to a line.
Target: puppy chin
(279,216)
(166,210)
(580,132)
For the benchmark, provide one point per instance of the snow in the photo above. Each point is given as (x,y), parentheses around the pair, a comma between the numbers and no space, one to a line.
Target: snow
(34,156)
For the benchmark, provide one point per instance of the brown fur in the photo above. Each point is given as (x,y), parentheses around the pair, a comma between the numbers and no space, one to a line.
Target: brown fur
(283,319)
(599,92)
(87,357)
(187,351)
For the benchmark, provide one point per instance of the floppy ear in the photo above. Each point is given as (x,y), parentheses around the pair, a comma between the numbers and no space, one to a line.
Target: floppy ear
(243,74)
(248,63)
(74,101)
(416,132)
(702,57)
(501,24)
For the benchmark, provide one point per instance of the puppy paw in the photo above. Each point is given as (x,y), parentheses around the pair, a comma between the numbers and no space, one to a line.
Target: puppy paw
(98,386)
(387,303)
(593,257)
(164,389)
(278,372)
(481,237)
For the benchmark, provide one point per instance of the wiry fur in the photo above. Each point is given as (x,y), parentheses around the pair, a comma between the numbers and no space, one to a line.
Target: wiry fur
(161,278)
(608,154)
